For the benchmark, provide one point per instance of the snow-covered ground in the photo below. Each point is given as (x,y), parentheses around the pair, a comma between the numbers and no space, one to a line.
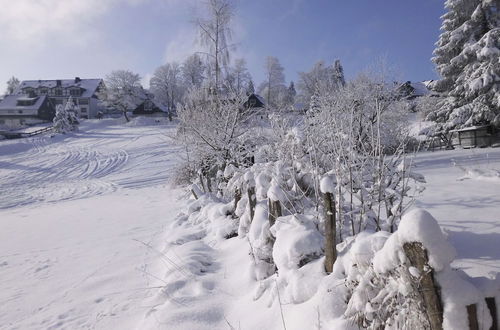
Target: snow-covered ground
(76,213)
(93,237)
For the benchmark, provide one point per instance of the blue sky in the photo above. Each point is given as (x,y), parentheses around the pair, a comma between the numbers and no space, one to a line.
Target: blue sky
(65,38)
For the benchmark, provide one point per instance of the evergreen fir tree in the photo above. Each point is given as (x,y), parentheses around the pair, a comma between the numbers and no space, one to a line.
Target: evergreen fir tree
(338,72)
(467,57)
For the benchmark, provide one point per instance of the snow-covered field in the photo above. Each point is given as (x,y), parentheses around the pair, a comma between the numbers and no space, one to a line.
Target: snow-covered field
(76,212)
(92,237)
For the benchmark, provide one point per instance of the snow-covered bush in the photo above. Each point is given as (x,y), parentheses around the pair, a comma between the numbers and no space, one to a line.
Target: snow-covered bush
(214,129)
(353,133)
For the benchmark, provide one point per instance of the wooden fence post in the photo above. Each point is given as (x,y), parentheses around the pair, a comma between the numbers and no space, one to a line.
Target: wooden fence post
(237,198)
(492,306)
(202,183)
(252,201)
(274,211)
(472,317)
(417,255)
(330,232)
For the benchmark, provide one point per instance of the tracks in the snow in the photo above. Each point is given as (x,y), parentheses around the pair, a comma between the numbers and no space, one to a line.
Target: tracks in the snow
(79,167)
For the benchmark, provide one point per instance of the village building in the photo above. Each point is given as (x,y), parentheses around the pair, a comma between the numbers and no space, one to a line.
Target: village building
(83,92)
(36,100)
(19,110)
(150,108)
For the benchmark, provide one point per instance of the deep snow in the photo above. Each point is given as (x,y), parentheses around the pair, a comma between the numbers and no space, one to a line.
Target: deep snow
(93,236)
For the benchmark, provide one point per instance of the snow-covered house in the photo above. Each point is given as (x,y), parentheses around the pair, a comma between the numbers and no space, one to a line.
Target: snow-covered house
(149,107)
(254,101)
(411,90)
(18,110)
(82,91)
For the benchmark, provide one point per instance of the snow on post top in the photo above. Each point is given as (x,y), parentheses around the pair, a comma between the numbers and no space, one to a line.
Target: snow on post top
(416,226)
(248,177)
(275,193)
(327,184)
(420,226)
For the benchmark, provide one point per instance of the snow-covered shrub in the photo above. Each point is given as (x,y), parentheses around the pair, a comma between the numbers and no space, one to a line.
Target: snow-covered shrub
(214,131)
(358,133)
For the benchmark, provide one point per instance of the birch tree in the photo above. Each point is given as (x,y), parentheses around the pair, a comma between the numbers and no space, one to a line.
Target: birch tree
(215,34)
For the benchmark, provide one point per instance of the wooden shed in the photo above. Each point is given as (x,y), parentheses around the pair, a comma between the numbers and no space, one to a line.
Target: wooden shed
(475,136)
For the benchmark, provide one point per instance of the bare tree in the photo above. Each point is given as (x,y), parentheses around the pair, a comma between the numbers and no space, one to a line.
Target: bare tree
(193,70)
(215,34)
(275,80)
(239,76)
(12,85)
(166,85)
(123,91)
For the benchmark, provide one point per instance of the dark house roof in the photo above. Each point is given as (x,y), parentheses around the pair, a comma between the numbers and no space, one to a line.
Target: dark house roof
(88,86)
(141,109)
(254,101)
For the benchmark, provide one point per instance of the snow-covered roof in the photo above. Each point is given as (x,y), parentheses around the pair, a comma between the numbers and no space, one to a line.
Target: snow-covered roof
(470,128)
(260,98)
(10,103)
(89,86)
(419,89)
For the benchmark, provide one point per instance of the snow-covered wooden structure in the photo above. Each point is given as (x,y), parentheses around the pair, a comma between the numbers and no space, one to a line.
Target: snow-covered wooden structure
(475,136)
(149,107)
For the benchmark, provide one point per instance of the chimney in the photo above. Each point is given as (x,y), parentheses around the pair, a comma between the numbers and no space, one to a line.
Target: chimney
(77,80)
(58,83)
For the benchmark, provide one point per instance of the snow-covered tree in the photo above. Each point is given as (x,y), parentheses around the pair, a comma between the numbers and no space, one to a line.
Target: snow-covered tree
(215,34)
(167,85)
(123,91)
(291,93)
(467,57)
(213,129)
(193,71)
(274,85)
(65,119)
(319,79)
(250,87)
(238,76)
(12,85)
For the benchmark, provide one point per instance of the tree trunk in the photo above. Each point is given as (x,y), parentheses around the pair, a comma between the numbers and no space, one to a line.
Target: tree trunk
(126,117)
(417,256)
(330,232)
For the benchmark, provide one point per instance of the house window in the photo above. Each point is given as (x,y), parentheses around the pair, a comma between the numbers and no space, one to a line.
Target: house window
(43,91)
(58,92)
(75,92)
(83,101)
(66,92)
(20,111)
